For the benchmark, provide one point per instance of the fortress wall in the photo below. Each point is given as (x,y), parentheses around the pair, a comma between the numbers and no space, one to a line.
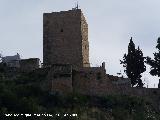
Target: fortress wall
(27,65)
(85,43)
(60,78)
(63,34)
(106,87)
(62,38)
(61,85)
(95,81)
(87,80)
(92,81)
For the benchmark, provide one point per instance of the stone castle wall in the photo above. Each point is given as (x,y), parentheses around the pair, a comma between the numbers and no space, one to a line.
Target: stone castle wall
(59,78)
(88,80)
(85,43)
(62,38)
(95,81)
(27,65)
(92,81)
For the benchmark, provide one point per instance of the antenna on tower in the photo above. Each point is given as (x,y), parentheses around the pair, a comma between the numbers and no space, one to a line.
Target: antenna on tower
(76,6)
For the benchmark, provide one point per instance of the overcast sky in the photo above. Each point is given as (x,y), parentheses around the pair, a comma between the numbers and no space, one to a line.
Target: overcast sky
(111,24)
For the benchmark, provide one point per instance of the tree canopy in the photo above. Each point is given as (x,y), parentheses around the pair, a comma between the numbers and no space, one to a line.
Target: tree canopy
(133,62)
(155,63)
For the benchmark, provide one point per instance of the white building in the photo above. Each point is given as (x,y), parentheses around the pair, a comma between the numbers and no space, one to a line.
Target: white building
(12,61)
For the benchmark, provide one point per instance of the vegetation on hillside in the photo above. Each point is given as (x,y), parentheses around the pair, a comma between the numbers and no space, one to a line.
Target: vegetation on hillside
(23,94)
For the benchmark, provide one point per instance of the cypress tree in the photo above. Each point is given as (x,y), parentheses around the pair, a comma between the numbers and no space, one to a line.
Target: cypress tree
(133,62)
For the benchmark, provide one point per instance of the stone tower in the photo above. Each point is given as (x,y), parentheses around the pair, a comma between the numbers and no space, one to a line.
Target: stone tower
(65,38)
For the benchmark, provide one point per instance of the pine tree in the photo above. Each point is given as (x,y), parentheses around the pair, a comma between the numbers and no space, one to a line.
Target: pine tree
(133,62)
(155,63)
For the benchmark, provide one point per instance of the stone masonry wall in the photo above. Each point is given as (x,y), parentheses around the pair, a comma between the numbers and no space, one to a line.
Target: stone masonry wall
(87,80)
(85,43)
(27,65)
(60,78)
(92,81)
(62,38)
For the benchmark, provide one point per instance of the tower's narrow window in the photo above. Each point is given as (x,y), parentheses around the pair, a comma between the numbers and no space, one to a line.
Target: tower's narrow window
(61,30)
(85,46)
(98,76)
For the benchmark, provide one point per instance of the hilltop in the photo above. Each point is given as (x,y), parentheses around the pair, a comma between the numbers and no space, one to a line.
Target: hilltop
(25,94)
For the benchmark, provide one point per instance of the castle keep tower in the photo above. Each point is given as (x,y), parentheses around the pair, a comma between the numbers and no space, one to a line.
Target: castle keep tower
(65,38)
